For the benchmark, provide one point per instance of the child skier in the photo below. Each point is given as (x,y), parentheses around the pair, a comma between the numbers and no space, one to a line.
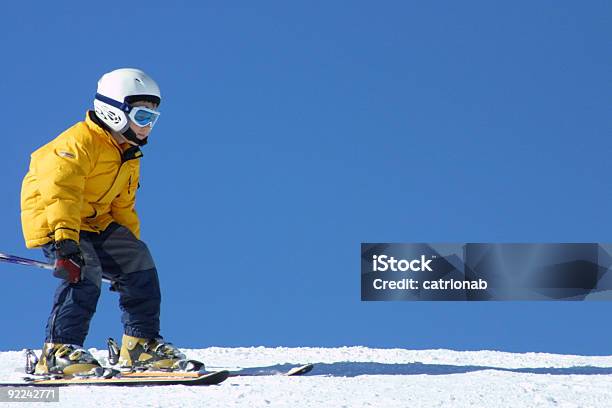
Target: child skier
(77,203)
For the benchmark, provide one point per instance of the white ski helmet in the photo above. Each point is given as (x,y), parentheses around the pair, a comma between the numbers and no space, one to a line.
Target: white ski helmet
(116,90)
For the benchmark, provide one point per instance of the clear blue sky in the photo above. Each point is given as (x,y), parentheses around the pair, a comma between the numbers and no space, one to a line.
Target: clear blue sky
(293,131)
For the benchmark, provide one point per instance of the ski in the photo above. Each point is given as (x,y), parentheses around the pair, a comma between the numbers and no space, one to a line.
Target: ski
(194,368)
(211,378)
(292,372)
(300,370)
(187,372)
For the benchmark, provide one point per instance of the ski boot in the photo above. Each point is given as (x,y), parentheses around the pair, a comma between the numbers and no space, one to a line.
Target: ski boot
(153,354)
(64,359)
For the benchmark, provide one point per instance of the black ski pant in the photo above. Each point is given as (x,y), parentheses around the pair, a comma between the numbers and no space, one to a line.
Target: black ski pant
(118,255)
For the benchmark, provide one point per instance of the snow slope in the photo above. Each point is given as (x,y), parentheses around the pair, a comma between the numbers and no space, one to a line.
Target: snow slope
(365,377)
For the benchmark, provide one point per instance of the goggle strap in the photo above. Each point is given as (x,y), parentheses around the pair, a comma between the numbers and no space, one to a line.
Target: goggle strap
(123,106)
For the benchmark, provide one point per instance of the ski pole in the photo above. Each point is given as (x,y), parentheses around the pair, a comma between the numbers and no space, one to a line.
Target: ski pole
(24,261)
(30,262)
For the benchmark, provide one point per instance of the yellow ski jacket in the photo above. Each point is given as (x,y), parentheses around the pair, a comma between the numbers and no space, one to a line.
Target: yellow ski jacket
(81,180)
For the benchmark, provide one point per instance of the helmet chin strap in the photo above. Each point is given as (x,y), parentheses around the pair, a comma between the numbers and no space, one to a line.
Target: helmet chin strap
(130,135)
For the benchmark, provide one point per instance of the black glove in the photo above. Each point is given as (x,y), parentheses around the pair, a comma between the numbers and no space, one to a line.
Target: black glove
(69,260)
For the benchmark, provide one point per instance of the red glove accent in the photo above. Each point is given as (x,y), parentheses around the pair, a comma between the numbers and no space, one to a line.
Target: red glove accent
(69,261)
(68,267)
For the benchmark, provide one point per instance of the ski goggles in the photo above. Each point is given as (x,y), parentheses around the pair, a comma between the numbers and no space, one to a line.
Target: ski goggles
(140,115)
(143,116)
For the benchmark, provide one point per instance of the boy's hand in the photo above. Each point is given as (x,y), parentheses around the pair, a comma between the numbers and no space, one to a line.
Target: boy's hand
(69,261)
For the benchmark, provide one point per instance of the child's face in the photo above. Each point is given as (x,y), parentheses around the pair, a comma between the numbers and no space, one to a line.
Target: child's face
(142,132)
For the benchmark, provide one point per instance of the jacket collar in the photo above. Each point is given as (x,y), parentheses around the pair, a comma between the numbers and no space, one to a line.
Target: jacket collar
(96,125)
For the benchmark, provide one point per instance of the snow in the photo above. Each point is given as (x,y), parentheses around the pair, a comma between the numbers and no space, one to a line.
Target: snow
(365,377)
